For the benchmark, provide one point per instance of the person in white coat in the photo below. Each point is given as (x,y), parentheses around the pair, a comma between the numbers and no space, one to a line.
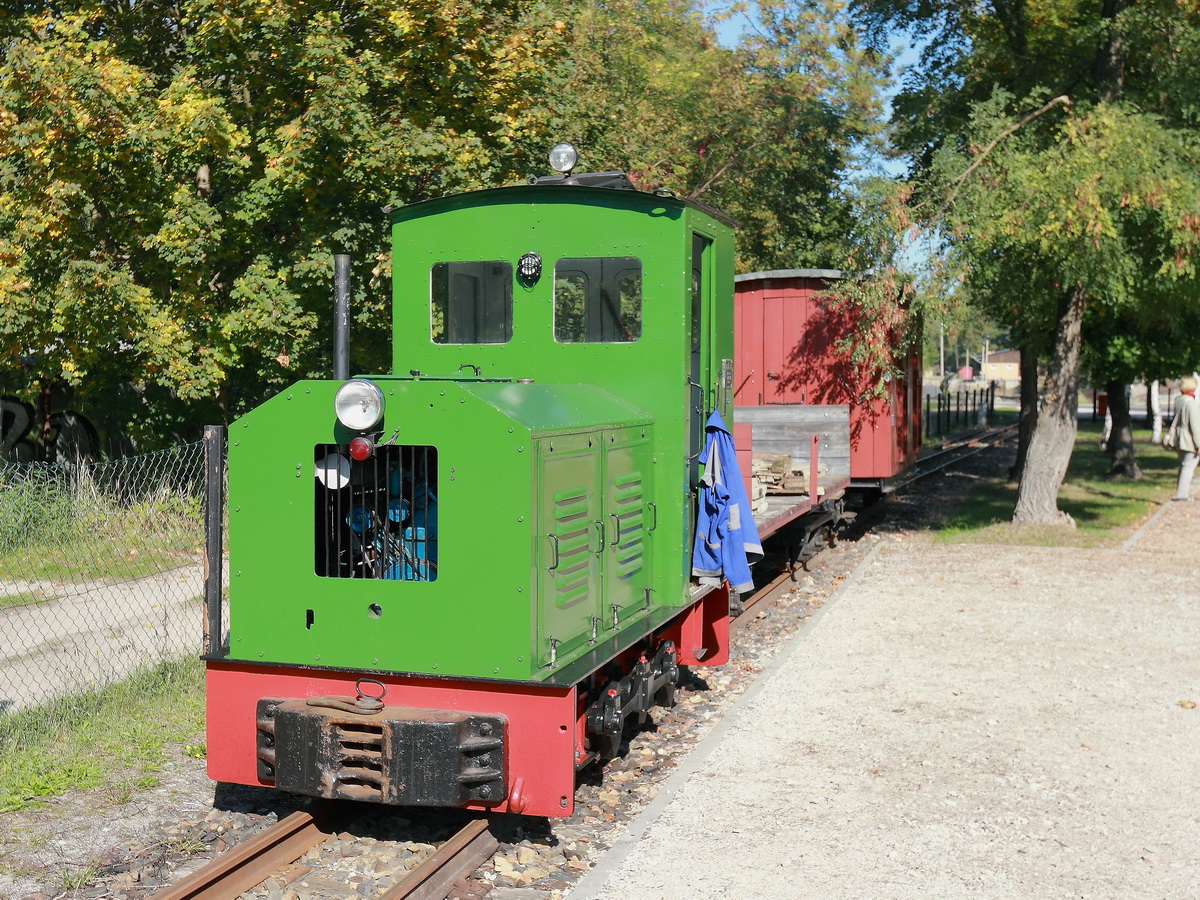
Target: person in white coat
(1187,428)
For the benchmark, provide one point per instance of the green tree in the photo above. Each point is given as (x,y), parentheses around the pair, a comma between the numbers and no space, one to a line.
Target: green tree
(770,131)
(175,178)
(1053,145)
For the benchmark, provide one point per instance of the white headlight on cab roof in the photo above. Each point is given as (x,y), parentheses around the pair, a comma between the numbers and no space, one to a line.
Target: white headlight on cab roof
(359,404)
(563,157)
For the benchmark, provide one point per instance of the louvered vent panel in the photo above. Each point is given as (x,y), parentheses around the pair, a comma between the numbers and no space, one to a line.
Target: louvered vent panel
(572,527)
(631,526)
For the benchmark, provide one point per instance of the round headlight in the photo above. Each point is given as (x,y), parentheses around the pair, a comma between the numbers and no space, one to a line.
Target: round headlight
(333,471)
(563,157)
(359,404)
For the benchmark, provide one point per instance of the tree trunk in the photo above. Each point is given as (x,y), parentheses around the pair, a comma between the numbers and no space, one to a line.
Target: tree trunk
(1029,407)
(1154,405)
(1058,420)
(1120,441)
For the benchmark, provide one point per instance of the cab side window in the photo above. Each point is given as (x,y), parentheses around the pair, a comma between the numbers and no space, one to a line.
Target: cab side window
(471,302)
(598,300)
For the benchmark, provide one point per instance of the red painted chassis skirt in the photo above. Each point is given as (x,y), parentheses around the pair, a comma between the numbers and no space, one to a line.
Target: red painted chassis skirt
(546,724)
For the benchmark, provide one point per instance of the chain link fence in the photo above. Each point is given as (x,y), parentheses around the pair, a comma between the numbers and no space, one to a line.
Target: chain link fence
(101,571)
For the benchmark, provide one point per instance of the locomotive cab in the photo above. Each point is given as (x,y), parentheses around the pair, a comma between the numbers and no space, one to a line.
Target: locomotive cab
(464,544)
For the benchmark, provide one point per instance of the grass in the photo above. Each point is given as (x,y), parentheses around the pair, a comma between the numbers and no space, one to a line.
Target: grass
(1106,510)
(52,531)
(12,601)
(117,739)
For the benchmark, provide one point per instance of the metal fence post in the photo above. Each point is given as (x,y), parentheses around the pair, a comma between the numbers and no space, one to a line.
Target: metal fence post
(214,514)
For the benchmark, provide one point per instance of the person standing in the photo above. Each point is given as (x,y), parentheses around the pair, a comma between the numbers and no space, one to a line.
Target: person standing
(1187,428)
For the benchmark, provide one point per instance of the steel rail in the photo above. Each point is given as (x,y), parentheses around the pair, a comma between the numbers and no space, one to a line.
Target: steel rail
(250,862)
(771,590)
(974,445)
(456,858)
(273,850)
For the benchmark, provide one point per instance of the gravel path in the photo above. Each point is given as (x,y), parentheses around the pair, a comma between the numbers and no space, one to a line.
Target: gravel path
(960,722)
(94,633)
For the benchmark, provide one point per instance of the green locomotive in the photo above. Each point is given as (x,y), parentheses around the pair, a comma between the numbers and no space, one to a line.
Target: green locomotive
(451,585)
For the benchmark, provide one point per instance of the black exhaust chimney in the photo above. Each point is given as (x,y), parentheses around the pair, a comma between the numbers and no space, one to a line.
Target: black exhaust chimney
(341,316)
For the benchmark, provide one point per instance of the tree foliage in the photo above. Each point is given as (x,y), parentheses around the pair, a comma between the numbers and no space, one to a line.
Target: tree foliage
(174,178)
(770,130)
(1053,149)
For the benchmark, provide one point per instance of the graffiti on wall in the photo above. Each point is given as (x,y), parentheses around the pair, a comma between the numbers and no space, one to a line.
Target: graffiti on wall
(72,436)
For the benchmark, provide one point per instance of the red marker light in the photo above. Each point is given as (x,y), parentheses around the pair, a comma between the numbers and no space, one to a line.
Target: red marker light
(361,448)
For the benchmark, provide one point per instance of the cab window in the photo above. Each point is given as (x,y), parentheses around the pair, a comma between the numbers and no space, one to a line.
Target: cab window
(471,302)
(598,300)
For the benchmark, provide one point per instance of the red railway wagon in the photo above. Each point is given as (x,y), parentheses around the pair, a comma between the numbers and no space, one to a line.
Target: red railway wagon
(791,379)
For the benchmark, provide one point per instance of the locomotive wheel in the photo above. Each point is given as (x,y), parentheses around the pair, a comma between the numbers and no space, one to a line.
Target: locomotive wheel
(607,746)
(665,696)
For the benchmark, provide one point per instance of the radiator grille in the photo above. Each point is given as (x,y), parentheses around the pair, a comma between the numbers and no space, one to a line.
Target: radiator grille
(376,518)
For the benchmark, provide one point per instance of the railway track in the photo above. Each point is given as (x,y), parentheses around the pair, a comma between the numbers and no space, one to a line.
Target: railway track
(276,851)
(955,451)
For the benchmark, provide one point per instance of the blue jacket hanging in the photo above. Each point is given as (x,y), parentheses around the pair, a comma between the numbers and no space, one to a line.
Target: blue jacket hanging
(726,537)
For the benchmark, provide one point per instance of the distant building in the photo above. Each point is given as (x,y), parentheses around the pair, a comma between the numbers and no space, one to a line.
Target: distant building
(1003,365)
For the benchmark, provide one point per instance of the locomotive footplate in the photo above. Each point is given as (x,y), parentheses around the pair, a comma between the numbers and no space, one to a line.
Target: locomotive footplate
(330,747)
